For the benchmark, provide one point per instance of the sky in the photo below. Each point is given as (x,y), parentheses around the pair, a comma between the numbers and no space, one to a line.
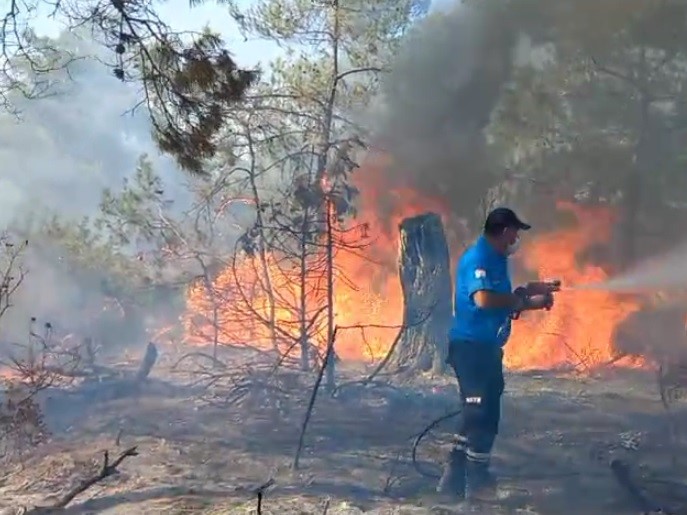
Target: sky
(178,15)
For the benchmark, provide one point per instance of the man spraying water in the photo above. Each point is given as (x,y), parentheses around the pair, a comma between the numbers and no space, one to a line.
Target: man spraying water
(485,304)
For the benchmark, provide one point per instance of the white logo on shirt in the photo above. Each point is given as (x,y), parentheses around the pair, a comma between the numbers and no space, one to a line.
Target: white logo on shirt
(480,273)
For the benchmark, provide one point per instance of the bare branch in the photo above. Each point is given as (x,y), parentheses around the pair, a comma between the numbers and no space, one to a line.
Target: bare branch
(356,71)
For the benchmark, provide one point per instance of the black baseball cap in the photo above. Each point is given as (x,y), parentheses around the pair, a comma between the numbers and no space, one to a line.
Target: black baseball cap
(503,218)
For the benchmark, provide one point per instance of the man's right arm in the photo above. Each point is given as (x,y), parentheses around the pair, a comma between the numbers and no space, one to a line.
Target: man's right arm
(483,292)
(490,299)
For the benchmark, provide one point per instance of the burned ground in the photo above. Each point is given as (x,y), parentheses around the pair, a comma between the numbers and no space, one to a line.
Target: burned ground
(206,450)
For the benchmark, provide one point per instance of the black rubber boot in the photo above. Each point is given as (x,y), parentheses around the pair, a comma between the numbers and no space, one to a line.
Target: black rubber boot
(452,482)
(481,484)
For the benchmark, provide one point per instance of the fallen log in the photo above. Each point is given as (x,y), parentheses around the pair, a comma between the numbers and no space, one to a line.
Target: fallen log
(424,271)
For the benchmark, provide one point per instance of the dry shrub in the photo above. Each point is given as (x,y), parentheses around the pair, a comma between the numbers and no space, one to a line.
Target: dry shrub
(22,426)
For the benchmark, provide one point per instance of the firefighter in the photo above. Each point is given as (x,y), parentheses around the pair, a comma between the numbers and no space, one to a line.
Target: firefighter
(484,305)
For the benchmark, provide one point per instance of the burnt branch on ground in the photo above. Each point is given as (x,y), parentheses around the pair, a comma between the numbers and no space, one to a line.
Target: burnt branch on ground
(392,479)
(249,381)
(108,468)
(623,475)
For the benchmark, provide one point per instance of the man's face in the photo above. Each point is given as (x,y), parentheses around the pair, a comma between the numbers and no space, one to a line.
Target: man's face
(511,235)
(510,241)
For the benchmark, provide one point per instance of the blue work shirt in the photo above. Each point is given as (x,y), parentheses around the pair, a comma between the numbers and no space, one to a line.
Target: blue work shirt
(481,267)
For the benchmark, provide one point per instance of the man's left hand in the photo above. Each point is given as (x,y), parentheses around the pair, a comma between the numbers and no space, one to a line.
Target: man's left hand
(532,302)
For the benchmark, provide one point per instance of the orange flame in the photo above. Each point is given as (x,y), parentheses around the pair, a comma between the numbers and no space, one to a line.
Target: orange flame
(579,330)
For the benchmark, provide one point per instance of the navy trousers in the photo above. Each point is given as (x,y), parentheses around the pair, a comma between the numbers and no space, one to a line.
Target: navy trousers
(479,370)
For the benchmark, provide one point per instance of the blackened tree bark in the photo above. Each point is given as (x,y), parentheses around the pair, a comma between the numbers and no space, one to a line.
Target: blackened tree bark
(426,285)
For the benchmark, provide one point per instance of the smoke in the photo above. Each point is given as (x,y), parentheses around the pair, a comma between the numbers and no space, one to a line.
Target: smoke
(57,157)
(57,291)
(439,97)
(663,272)
(658,329)
(64,149)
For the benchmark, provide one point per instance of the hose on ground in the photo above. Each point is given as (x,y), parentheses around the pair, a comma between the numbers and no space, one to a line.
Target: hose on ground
(434,475)
(421,436)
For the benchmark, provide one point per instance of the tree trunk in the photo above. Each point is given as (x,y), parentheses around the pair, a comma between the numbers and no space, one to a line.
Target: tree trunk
(632,190)
(426,285)
(303,297)
(330,362)
(266,279)
(210,290)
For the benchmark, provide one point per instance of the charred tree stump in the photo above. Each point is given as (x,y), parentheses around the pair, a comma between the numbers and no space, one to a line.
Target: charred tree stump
(147,364)
(90,351)
(106,384)
(426,284)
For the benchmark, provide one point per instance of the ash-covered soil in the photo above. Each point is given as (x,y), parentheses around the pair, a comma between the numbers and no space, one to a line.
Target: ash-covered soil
(205,449)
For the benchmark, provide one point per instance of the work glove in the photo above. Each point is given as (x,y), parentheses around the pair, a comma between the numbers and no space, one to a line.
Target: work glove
(534,302)
(530,302)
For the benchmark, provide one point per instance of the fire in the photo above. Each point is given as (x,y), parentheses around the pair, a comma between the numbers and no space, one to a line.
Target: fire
(579,330)
(367,289)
